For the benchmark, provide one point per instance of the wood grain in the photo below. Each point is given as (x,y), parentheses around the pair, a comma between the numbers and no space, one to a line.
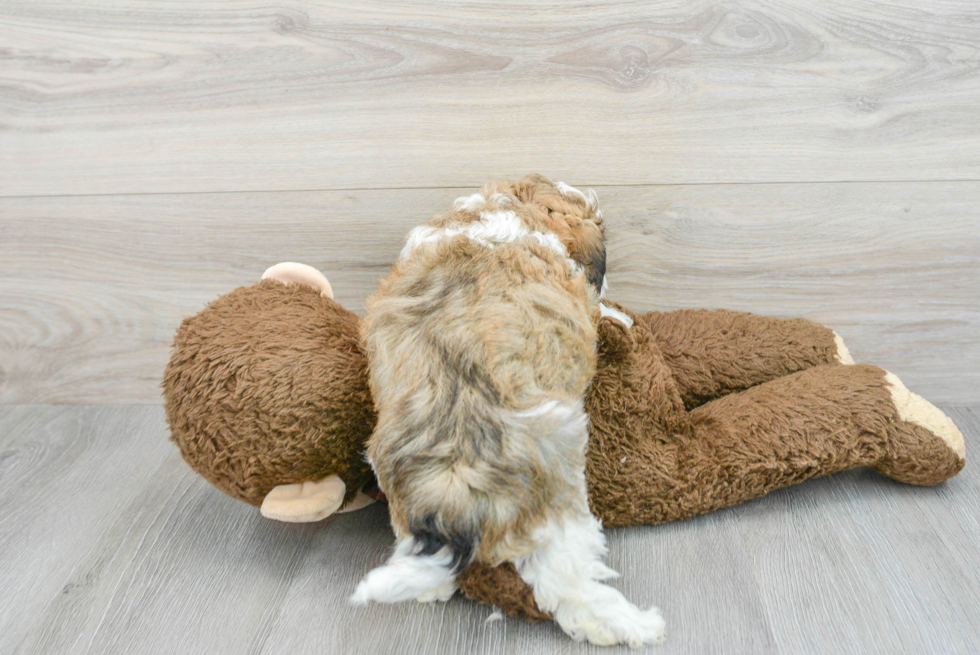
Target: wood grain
(968,518)
(859,557)
(114,546)
(94,287)
(168,97)
(65,475)
(786,157)
(181,569)
(655,563)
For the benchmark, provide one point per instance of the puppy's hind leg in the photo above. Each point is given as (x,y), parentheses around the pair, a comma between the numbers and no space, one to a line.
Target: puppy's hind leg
(423,566)
(565,573)
(408,574)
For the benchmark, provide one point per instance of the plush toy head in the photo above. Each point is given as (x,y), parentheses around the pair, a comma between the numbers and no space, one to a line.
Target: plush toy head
(267,396)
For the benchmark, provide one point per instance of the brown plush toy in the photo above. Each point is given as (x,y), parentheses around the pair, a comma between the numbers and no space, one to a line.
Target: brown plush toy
(691,411)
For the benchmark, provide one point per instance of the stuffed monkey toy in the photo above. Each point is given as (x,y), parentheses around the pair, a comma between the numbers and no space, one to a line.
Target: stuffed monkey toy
(691,411)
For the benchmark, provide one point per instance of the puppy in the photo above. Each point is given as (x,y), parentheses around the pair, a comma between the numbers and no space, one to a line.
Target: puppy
(481,345)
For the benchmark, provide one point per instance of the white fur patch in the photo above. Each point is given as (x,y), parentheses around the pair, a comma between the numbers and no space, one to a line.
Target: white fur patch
(565,573)
(555,429)
(916,409)
(563,421)
(566,567)
(406,576)
(496,615)
(503,199)
(501,226)
(612,312)
(569,191)
(572,415)
(442,593)
(471,203)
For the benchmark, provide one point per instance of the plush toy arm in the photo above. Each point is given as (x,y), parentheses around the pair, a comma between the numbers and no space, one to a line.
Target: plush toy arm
(713,353)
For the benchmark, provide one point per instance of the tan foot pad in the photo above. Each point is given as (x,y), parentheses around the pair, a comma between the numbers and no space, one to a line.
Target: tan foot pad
(916,409)
(843,355)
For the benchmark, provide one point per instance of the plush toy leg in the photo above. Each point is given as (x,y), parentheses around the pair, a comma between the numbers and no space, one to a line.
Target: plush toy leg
(744,445)
(812,423)
(921,441)
(713,353)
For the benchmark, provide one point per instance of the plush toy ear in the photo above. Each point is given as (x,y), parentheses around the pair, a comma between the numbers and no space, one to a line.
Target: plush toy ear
(290,272)
(304,502)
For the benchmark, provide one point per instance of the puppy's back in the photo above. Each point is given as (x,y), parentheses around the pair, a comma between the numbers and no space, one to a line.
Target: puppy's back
(478,378)
(481,344)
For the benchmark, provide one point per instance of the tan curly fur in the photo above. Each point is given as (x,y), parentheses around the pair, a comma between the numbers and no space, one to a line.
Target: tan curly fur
(462,338)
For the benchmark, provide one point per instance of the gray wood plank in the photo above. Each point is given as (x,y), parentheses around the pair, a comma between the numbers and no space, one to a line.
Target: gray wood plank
(967,484)
(65,474)
(152,96)
(665,566)
(93,287)
(700,575)
(861,560)
(891,267)
(182,569)
(174,566)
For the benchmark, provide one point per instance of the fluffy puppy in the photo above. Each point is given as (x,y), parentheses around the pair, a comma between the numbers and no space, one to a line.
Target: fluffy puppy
(481,345)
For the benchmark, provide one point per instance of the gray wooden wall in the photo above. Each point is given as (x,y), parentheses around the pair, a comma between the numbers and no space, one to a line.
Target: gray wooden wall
(815,158)
(796,158)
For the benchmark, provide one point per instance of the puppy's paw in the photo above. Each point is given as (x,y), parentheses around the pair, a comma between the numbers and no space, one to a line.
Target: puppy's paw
(641,629)
(610,619)
(442,593)
(650,628)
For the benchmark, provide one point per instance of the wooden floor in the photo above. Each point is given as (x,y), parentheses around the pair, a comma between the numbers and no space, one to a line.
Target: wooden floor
(110,544)
(786,157)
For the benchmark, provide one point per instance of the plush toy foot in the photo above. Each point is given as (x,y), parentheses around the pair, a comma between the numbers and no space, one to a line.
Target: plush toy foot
(843,355)
(925,447)
(360,501)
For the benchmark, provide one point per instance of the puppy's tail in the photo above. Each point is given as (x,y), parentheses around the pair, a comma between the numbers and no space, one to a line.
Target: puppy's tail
(430,559)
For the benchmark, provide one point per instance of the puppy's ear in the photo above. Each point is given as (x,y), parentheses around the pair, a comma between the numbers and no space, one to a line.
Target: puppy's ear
(590,254)
(595,266)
